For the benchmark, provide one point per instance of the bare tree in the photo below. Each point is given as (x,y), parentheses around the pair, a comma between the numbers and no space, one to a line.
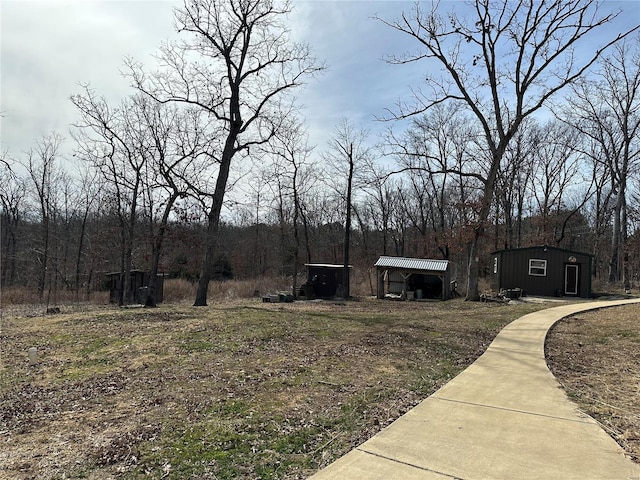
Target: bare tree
(236,64)
(43,171)
(606,110)
(399,221)
(556,168)
(599,207)
(87,197)
(374,211)
(177,140)
(147,152)
(380,188)
(283,210)
(503,61)
(437,155)
(12,199)
(257,194)
(513,185)
(292,171)
(114,140)
(347,151)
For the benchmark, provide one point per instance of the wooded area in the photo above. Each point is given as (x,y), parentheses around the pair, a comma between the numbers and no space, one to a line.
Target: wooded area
(205,171)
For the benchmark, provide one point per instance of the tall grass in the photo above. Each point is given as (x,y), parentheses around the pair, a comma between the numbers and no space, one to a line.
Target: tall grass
(19,295)
(179,290)
(176,290)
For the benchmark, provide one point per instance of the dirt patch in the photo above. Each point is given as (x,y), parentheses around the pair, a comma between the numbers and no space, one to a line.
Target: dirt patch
(596,357)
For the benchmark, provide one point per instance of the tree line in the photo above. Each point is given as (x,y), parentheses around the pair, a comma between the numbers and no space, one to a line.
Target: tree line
(205,170)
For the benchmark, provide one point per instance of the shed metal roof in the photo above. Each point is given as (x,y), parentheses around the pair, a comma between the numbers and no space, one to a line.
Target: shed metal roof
(325,265)
(425,264)
(542,247)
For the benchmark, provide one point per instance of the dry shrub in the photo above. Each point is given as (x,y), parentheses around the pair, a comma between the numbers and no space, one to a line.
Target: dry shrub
(18,295)
(484,285)
(178,290)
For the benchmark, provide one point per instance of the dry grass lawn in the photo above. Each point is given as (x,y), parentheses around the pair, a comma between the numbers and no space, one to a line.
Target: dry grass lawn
(240,389)
(243,389)
(596,357)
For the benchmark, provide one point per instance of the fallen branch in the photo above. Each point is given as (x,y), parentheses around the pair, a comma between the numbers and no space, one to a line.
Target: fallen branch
(324,382)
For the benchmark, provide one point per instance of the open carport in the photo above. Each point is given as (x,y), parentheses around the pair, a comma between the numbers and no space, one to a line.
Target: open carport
(417,278)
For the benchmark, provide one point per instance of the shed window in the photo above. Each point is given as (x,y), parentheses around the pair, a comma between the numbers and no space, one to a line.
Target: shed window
(537,267)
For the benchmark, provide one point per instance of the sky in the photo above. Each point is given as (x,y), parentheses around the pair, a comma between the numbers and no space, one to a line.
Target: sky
(49,48)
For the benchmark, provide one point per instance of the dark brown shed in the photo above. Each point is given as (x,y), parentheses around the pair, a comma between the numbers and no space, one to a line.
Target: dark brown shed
(543,270)
(138,283)
(324,280)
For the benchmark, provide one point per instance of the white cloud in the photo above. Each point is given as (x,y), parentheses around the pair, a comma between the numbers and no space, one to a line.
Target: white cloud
(48,47)
(358,84)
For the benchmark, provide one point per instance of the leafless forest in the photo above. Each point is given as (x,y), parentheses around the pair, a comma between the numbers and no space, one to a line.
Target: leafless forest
(519,136)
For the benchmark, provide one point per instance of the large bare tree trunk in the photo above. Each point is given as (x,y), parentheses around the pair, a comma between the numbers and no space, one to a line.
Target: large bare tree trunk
(151,300)
(473,269)
(476,247)
(213,227)
(614,259)
(347,228)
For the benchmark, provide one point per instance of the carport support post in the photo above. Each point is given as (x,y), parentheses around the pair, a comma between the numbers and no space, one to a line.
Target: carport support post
(380,274)
(406,284)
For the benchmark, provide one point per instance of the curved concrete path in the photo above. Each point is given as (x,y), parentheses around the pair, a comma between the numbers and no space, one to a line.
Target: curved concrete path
(504,417)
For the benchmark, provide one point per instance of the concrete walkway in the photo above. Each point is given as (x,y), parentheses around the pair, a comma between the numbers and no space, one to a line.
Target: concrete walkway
(504,417)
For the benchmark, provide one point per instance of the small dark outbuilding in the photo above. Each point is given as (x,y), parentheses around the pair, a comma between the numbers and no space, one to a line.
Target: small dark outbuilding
(545,271)
(425,278)
(138,283)
(324,280)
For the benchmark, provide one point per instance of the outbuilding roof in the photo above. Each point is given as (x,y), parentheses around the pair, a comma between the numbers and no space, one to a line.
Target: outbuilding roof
(325,265)
(542,247)
(425,264)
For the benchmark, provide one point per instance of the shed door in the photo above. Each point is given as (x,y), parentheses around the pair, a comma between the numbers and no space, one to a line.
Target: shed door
(571,279)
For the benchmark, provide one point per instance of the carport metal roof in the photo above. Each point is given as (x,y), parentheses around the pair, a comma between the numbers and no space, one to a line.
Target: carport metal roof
(424,264)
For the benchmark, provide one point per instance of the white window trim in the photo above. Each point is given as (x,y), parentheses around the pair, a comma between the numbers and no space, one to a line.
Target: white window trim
(542,266)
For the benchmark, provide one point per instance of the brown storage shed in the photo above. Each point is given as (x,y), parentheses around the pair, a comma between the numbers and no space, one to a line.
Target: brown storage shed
(544,270)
